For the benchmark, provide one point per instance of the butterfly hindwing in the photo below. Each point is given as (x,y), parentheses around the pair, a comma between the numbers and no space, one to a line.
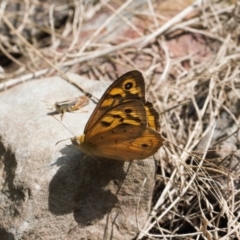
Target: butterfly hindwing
(152,117)
(133,142)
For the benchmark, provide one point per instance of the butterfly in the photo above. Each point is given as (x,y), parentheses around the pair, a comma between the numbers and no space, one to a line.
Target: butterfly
(123,126)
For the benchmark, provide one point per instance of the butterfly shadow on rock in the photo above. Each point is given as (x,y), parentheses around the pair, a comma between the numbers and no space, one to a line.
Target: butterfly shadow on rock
(85,185)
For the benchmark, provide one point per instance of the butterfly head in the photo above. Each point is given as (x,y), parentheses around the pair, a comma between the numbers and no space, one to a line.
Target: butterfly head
(77,141)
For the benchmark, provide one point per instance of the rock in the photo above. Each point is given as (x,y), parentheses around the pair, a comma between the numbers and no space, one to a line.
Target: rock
(53,191)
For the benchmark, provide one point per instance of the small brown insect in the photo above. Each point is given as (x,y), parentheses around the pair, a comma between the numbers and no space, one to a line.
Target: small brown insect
(70,105)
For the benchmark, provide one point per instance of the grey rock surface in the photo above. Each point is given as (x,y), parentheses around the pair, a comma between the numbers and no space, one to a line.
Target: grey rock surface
(51,191)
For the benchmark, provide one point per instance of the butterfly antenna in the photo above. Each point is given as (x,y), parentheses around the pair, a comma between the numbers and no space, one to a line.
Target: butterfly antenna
(61,141)
(64,127)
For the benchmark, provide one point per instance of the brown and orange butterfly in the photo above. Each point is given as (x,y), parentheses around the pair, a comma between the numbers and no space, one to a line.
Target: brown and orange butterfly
(123,125)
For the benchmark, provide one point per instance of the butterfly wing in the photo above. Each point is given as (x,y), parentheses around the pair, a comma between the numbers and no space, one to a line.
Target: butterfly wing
(152,117)
(129,86)
(124,144)
(127,113)
(123,124)
(124,133)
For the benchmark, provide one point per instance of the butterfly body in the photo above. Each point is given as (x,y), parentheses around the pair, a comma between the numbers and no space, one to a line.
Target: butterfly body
(123,126)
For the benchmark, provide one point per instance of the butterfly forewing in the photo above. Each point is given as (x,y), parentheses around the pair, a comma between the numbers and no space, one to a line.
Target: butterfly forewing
(127,113)
(129,86)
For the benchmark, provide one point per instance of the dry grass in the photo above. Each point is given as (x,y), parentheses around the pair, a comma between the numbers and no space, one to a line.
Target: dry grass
(197,190)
